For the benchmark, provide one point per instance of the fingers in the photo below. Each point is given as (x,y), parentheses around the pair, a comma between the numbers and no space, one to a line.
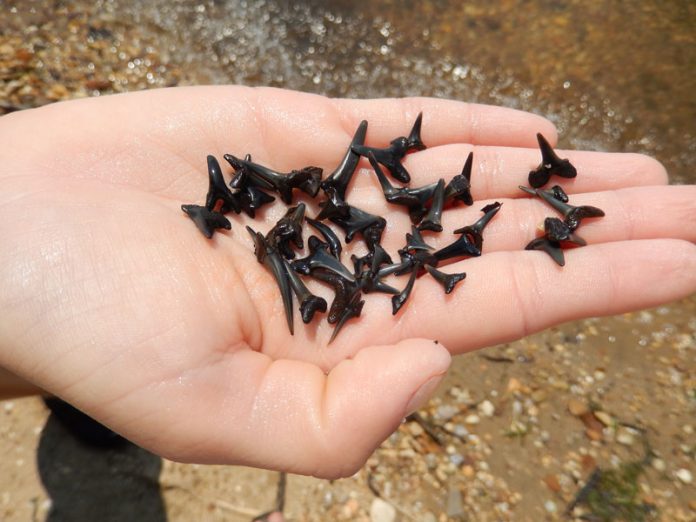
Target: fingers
(445,121)
(498,171)
(508,295)
(288,415)
(631,213)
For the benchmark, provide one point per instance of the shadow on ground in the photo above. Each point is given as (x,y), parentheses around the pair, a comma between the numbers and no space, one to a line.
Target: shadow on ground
(86,483)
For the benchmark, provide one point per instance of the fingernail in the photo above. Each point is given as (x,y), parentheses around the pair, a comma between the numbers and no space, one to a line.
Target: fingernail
(422,394)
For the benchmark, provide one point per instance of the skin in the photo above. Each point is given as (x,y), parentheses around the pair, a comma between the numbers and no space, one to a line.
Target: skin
(112,300)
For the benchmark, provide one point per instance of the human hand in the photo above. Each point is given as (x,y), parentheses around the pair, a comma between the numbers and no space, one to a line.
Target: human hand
(112,300)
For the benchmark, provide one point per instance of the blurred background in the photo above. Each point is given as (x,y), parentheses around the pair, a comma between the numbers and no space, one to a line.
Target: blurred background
(594,418)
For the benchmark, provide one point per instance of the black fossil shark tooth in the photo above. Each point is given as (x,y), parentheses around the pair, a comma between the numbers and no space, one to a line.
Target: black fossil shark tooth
(475,231)
(340,178)
(551,165)
(448,281)
(206,220)
(307,179)
(288,230)
(432,219)
(391,156)
(329,237)
(218,191)
(459,187)
(268,256)
(572,215)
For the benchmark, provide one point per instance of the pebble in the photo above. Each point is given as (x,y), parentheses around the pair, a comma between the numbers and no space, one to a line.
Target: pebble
(659,464)
(625,437)
(604,418)
(457,459)
(381,511)
(454,502)
(684,475)
(577,408)
(550,506)
(415,429)
(446,412)
(472,419)
(486,408)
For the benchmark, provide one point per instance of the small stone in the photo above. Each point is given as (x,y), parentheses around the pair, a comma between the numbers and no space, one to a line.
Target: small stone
(593,434)
(456,459)
(472,419)
(539,396)
(454,502)
(659,464)
(486,408)
(684,475)
(415,429)
(550,506)
(577,408)
(625,437)
(431,461)
(468,471)
(604,418)
(350,508)
(446,412)
(552,483)
(514,385)
(381,511)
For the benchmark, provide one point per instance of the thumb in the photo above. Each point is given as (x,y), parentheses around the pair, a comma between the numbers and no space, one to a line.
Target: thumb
(289,415)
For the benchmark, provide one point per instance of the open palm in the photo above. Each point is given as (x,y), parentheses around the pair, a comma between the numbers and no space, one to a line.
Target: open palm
(112,300)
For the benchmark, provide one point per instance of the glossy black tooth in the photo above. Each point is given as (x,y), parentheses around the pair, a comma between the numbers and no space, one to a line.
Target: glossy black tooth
(358,220)
(395,268)
(399,300)
(572,215)
(415,241)
(320,258)
(253,198)
(432,219)
(539,177)
(557,230)
(475,232)
(379,286)
(448,281)
(251,177)
(462,247)
(559,193)
(577,214)
(548,155)
(353,309)
(414,137)
(218,189)
(379,257)
(459,187)
(274,263)
(550,165)
(309,303)
(206,220)
(387,188)
(552,248)
(288,229)
(333,207)
(329,236)
(340,178)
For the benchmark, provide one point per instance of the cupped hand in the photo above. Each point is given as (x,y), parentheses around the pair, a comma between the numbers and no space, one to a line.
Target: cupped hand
(112,300)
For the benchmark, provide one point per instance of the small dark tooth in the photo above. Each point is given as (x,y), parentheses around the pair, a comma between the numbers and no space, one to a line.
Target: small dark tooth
(340,178)
(550,165)
(432,219)
(552,248)
(206,220)
(459,187)
(448,281)
(475,232)
(218,189)
(399,300)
